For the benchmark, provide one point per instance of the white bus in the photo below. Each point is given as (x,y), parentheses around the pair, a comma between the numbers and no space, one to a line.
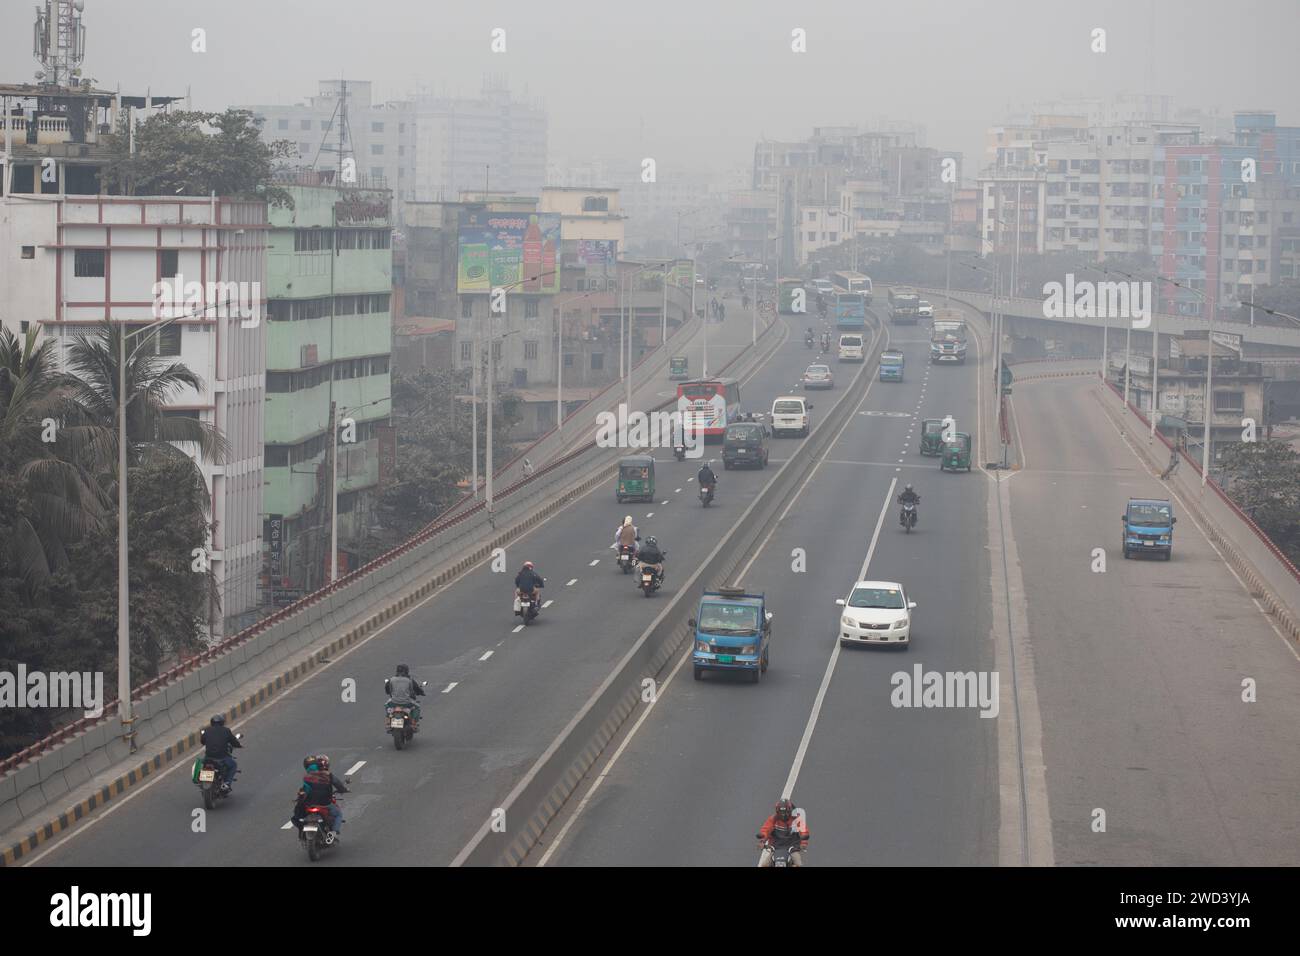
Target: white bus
(852,282)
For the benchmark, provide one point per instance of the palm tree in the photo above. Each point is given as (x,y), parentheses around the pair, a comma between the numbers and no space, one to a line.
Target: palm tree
(93,388)
(42,445)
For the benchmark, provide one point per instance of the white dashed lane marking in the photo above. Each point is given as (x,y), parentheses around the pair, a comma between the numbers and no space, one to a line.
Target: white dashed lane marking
(487,655)
(359,764)
(571,583)
(594,563)
(546,604)
(452,686)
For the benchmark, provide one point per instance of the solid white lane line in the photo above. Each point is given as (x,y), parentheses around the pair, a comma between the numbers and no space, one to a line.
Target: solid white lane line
(835,655)
(450,687)
(487,655)
(571,583)
(359,764)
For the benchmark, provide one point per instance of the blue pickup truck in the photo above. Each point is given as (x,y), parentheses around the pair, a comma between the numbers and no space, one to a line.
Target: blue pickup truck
(1148,527)
(733,632)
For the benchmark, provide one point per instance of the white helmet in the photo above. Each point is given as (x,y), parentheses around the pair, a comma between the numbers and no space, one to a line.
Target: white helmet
(627,521)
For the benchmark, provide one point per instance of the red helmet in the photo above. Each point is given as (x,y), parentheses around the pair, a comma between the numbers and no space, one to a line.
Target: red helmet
(528,564)
(784,809)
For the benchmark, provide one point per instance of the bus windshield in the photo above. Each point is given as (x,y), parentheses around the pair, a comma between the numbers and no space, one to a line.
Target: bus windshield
(699,391)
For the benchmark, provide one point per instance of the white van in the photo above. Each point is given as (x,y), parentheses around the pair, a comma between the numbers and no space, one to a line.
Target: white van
(851,348)
(790,414)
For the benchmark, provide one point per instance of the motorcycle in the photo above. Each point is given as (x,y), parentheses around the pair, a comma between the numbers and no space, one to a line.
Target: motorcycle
(679,452)
(783,843)
(706,495)
(651,581)
(808,341)
(627,558)
(211,780)
(528,607)
(908,516)
(400,721)
(315,833)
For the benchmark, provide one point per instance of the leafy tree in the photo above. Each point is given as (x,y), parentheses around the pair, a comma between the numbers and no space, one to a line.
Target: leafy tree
(62,497)
(1265,483)
(194,153)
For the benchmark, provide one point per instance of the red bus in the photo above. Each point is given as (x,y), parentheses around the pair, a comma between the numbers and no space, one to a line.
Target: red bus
(708,405)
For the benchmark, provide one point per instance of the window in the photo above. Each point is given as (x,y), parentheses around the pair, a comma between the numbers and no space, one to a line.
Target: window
(376,149)
(466,307)
(530,351)
(312,240)
(304,124)
(496,351)
(530,308)
(595,204)
(379,365)
(169,340)
(376,127)
(597,361)
(377,172)
(465,348)
(88,263)
(168,262)
(812,237)
(1229,401)
(29,252)
(568,360)
(282,124)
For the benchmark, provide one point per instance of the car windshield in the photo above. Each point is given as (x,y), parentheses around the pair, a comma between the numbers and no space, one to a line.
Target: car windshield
(729,618)
(789,408)
(817,370)
(934,428)
(634,471)
(891,356)
(744,433)
(891,598)
(1149,515)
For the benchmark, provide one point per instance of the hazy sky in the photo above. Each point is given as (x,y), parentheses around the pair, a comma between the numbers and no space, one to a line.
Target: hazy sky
(696,83)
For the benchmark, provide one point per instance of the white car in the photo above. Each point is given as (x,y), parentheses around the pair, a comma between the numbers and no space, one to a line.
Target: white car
(924,310)
(876,612)
(790,414)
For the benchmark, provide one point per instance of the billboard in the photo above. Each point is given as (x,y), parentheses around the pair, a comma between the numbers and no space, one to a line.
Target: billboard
(497,250)
(594,252)
(684,273)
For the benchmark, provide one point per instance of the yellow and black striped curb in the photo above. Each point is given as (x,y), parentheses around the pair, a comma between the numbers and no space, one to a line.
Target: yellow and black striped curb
(151,767)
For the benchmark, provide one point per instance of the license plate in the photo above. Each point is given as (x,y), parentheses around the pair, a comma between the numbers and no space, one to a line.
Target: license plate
(1149,544)
(741,451)
(309,829)
(207,776)
(397,722)
(646,579)
(726,659)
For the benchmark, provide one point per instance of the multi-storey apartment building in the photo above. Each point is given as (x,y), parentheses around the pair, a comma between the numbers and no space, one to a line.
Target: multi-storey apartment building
(329,344)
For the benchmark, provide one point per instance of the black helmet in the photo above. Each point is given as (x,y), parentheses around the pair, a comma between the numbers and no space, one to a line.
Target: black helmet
(784,809)
(652,540)
(907,488)
(217,720)
(403,670)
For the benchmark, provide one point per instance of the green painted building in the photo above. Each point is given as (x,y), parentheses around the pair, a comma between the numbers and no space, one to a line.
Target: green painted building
(329,342)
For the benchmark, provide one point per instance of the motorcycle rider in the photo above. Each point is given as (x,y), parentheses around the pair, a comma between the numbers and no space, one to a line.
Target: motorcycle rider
(652,557)
(826,341)
(402,690)
(706,477)
(786,818)
(625,536)
(808,338)
(218,742)
(318,788)
(908,497)
(528,582)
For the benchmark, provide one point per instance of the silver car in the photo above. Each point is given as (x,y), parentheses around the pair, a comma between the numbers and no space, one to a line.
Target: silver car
(818,376)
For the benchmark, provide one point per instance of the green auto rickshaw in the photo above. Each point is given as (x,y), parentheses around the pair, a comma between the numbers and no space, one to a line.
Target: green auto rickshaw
(636,479)
(679,367)
(956,453)
(932,437)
